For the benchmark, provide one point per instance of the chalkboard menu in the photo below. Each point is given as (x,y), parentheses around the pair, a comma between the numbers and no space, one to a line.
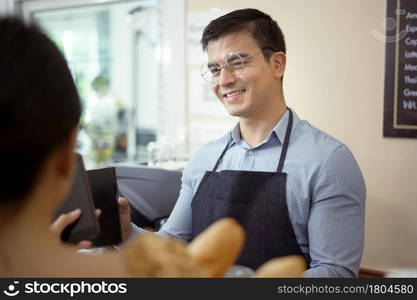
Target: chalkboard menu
(400,105)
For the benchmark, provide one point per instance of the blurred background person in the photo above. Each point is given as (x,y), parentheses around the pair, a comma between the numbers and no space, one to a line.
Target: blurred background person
(104,121)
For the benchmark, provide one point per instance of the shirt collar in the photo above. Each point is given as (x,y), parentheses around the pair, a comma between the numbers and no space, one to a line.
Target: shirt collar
(278,131)
(235,134)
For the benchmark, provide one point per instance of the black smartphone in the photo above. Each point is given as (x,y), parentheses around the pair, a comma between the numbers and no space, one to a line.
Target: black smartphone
(80,196)
(105,194)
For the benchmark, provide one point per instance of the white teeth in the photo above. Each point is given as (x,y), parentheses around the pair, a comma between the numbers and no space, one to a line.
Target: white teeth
(235,93)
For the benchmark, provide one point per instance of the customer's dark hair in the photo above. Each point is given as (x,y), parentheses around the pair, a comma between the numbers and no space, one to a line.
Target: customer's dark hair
(39,105)
(263,28)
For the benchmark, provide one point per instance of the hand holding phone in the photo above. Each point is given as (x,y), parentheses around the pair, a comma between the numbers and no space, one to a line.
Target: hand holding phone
(86,227)
(58,226)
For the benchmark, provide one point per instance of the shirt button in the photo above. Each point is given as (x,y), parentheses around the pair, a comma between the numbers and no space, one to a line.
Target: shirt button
(250,152)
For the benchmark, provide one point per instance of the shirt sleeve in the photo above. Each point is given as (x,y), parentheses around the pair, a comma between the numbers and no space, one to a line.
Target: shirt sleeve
(179,224)
(337,217)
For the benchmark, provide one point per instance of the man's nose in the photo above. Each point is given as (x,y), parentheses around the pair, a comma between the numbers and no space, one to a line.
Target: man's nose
(226,77)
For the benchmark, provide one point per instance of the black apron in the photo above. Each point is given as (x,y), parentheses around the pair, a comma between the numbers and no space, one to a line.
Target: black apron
(257,200)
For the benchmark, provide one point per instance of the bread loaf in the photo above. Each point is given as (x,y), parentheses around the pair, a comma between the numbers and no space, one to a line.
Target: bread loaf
(150,255)
(283,267)
(217,247)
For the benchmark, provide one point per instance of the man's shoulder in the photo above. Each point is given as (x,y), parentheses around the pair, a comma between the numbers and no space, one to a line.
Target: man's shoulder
(307,132)
(318,152)
(315,140)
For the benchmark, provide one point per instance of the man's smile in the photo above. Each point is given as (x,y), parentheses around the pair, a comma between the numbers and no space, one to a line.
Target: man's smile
(233,95)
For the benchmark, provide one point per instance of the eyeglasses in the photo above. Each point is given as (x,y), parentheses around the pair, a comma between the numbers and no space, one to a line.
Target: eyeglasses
(233,62)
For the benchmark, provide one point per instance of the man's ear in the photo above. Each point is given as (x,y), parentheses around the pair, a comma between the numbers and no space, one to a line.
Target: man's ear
(64,155)
(278,61)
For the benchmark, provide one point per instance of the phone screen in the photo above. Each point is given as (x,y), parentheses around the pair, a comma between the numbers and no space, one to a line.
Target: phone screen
(105,194)
(86,227)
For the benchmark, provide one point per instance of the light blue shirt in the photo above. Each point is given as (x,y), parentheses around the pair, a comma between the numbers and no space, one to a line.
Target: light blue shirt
(325,192)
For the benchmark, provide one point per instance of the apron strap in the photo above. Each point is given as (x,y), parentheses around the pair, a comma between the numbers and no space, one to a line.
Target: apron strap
(221,156)
(286,142)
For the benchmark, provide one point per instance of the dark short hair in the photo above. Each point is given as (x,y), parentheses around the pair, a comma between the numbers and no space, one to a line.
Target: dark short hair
(263,28)
(39,105)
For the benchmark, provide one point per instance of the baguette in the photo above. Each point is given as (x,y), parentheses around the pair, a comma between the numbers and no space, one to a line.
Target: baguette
(149,255)
(217,247)
(283,267)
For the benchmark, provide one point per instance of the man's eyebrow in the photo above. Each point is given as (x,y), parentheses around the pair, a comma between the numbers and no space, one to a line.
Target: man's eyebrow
(213,64)
(243,55)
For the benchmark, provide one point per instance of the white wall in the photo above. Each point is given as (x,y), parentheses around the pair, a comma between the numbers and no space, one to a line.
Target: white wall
(5,7)
(335,80)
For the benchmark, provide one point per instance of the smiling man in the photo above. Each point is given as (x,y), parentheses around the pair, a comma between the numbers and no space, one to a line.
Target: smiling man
(294,188)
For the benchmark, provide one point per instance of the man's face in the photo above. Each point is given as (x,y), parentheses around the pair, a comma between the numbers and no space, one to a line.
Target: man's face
(252,91)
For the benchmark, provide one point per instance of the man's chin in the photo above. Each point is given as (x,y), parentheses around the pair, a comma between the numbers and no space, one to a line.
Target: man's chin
(235,114)
(232,110)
